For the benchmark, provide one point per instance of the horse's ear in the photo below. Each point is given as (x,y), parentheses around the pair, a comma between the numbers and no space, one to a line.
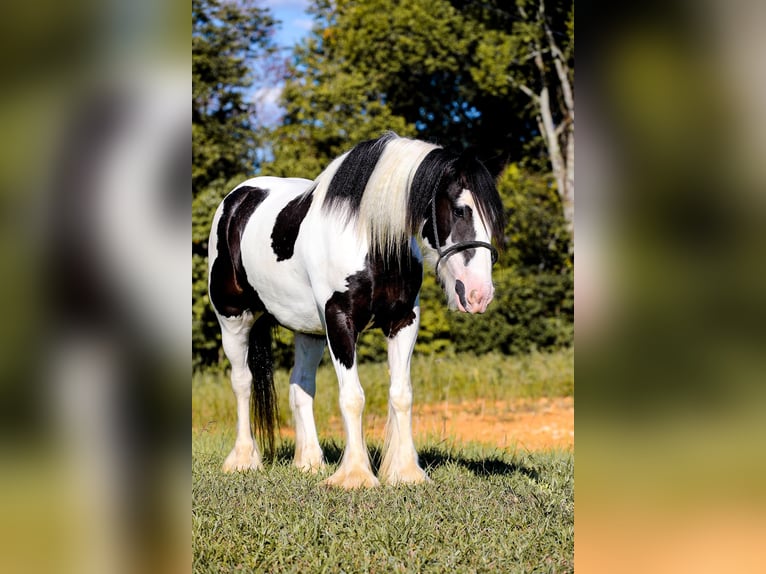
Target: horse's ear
(464,165)
(468,155)
(495,164)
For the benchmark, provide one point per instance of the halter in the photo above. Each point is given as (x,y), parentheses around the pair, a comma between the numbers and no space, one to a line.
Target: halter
(457,247)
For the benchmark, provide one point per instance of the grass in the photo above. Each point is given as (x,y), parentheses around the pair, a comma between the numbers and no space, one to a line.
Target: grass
(483,512)
(487,509)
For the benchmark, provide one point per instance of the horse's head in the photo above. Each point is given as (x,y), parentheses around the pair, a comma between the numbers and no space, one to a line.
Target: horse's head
(465,215)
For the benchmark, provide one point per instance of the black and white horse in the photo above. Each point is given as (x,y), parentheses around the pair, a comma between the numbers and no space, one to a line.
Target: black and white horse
(330,258)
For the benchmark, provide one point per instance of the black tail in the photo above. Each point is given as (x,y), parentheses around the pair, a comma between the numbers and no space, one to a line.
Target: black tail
(260,359)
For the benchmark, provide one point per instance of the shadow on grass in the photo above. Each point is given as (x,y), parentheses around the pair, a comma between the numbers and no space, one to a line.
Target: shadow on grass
(430,458)
(434,457)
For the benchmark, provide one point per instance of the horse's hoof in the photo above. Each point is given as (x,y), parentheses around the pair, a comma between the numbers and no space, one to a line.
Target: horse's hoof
(410,475)
(312,466)
(352,479)
(242,459)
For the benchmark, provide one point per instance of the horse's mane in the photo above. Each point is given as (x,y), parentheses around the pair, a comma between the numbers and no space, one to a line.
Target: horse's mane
(384,187)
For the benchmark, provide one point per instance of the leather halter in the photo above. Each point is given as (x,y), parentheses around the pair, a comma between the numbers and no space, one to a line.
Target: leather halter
(456,247)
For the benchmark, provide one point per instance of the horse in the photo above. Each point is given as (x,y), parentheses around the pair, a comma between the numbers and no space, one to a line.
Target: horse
(332,257)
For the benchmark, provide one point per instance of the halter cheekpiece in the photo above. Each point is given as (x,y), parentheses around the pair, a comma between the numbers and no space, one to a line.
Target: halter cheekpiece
(457,247)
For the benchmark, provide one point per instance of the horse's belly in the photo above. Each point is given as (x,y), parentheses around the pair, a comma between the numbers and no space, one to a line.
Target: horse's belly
(285,290)
(289,298)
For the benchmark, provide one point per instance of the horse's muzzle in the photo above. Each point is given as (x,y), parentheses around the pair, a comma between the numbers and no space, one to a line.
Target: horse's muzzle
(474,301)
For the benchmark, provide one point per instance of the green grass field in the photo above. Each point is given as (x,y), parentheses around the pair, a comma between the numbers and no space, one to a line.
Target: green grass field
(486,509)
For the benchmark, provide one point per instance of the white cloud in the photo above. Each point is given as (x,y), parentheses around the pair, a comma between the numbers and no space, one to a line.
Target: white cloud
(267,95)
(267,108)
(287,4)
(303,23)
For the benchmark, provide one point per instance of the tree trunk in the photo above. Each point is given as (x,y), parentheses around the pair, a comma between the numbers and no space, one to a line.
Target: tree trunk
(561,136)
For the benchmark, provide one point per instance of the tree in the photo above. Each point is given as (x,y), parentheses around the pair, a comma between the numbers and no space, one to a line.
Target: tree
(457,72)
(232,50)
(231,46)
(536,57)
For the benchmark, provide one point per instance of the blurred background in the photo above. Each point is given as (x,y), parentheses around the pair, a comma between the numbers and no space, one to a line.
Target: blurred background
(96,346)
(670,364)
(95,342)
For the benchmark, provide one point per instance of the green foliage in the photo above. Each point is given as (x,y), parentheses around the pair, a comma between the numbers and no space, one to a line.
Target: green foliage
(443,70)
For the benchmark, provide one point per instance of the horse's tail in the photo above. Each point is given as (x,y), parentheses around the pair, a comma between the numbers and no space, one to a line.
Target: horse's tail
(260,359)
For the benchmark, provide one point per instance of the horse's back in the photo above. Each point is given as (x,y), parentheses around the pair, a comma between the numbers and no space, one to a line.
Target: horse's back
(270,251)
(277,185)
(256,189)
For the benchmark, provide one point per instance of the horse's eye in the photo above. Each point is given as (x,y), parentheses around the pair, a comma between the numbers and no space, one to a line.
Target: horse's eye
(458,212)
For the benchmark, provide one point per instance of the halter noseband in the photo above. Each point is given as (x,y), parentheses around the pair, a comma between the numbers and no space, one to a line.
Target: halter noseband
(457,247)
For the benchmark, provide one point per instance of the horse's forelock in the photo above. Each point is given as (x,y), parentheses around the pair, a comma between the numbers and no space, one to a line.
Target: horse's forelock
(432,175)
(438,170)
(476,178)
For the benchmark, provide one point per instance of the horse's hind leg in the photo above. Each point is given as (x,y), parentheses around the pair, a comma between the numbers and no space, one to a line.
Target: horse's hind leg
(234,337)
(400,459)
(308,354)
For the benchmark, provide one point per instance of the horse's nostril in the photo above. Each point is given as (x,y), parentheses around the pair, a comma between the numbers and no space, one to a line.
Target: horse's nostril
(460,290)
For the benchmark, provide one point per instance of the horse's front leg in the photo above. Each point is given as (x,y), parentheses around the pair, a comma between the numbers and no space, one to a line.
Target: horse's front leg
(400,459)
(354,470)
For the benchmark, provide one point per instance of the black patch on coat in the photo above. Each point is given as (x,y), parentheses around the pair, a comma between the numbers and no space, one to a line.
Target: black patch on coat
(383,293)
(230,291)
(350,180)
(288,224)
(463,229)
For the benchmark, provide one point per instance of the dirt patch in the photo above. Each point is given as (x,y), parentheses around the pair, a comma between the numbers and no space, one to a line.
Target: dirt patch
(529,424)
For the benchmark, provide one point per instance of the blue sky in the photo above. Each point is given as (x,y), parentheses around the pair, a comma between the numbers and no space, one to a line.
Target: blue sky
(295,24)
(295,21)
